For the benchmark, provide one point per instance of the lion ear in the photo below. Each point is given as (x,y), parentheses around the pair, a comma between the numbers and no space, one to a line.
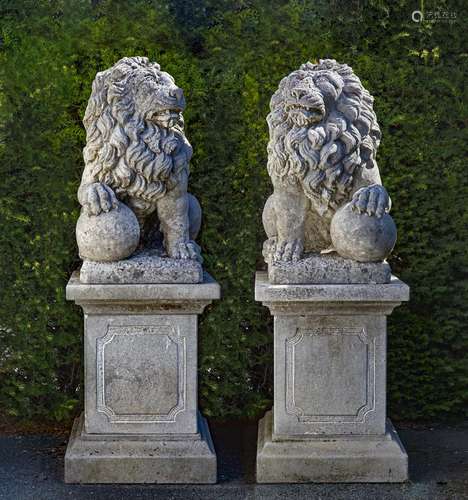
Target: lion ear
(307,66)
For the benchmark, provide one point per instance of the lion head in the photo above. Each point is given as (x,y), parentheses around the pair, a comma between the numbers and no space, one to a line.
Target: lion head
(322,128)
(135,140)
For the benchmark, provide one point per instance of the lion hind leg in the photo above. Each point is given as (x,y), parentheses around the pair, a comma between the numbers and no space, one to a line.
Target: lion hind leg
(269,218)
(269,224)
(194,215)
(148,221)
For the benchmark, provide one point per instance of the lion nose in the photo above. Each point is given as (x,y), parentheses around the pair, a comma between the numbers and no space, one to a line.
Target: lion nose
(177,93)
(299,93)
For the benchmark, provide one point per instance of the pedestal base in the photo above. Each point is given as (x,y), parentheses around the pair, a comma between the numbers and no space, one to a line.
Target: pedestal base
(336,459)
(140,459)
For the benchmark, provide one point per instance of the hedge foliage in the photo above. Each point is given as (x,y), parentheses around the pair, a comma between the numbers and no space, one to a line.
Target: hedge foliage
(229,56)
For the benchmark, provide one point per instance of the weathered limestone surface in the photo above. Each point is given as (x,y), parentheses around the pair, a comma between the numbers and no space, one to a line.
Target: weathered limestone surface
(141,421)
(327,190)
(107,236)
(311,296)
(134,185)
(329,416)
(330,459)
(362,237)
(147,266)
(188,297)
(328,285)
(150,459)
(327,269)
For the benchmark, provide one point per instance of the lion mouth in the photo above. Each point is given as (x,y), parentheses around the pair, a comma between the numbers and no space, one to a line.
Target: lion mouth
(303,115)
(305,104)
(167,117)
(170,106)
(304,109)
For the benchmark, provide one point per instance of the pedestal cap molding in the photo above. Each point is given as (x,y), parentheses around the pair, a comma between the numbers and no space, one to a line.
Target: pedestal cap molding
(330,299)
(134,298)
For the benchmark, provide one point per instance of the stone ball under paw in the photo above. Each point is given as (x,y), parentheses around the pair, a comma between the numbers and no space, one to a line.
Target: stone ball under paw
(109,236)
(362,237)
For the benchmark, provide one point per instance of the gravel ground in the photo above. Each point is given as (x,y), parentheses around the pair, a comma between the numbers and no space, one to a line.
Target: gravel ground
(31,467)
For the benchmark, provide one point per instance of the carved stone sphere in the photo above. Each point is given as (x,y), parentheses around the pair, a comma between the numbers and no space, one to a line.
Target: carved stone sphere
(362,237)
(109,236)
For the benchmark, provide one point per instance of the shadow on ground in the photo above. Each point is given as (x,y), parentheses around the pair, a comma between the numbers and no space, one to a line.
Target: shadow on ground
(31,467)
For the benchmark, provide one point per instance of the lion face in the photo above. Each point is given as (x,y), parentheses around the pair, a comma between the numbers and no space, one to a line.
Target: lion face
(303,104)
(135,132)
(322,128)
(307,96)
(158,99)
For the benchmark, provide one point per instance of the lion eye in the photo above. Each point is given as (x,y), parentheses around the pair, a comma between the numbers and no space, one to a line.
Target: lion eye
(299,93)
(152,79)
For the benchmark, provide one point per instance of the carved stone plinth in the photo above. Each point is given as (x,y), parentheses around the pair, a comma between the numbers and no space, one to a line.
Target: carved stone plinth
(329,419)
(146,266)
(141,423)
(328,269)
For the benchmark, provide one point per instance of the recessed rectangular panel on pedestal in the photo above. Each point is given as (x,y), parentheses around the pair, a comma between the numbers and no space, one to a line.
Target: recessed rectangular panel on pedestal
(326,374)
(136,374)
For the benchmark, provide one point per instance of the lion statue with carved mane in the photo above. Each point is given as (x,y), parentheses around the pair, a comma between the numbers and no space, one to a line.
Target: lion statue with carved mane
(136,153)
(321,155)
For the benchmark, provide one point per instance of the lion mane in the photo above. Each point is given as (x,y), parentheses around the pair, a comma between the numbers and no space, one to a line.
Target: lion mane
(343,136)
(124,149)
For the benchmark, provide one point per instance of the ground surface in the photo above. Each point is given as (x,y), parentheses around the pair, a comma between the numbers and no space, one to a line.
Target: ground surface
(31,467)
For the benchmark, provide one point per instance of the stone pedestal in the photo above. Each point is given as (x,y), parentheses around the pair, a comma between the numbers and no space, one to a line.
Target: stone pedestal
(328,422)
(141,423)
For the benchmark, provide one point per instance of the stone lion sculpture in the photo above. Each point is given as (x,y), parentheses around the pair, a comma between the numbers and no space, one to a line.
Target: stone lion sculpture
(136,154)
(321,155)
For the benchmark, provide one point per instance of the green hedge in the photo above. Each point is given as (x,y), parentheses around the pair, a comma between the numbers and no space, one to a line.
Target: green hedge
(229,57)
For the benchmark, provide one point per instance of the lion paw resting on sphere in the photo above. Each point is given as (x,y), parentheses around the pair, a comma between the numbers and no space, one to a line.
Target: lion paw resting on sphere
(137,154)
(321,156)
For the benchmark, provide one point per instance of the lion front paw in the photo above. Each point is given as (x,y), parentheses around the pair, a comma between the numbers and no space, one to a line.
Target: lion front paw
(372,200)
(185,250)
(99,198)
(283,250)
